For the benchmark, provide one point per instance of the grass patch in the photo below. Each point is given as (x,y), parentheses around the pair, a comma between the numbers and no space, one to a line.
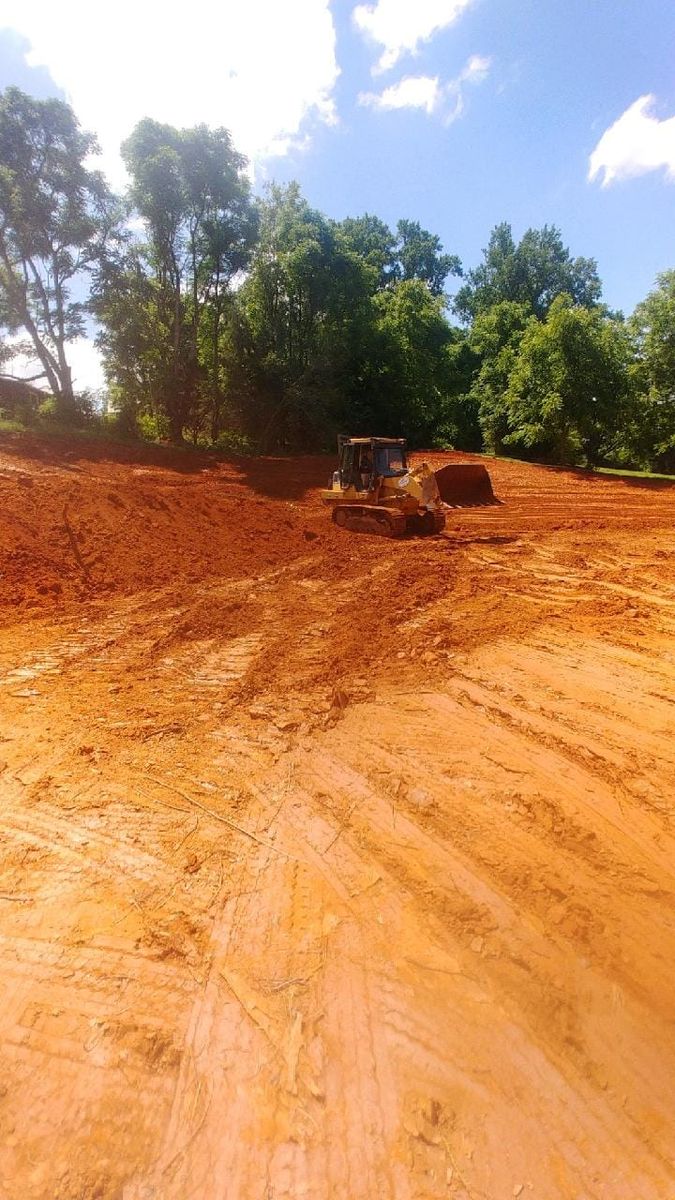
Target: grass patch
(7,425)
(622,472)
(49,427)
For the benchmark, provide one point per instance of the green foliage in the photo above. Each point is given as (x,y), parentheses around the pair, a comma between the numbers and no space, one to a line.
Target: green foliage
(495,340)
(9,424)
(260,325)
(653,327)
(306,314)
(56,214)
(568,391)
(374,244)
(230,441)
(49,409)
(419,364)
(74,410)
(164,303)
(411,253)
(533,273)
(342,326)
(420,256)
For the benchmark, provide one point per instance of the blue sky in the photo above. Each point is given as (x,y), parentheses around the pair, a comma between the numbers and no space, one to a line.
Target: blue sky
(456,113)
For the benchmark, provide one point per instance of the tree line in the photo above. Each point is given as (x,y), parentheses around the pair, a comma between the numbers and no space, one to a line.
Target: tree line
(236,321)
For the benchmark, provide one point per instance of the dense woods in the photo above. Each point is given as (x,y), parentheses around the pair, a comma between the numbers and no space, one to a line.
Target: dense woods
(259,323)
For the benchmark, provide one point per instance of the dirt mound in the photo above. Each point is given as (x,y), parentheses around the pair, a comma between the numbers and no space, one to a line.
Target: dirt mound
(77,524)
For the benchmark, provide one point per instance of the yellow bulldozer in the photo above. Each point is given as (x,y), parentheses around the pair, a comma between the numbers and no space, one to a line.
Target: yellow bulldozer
(376,490)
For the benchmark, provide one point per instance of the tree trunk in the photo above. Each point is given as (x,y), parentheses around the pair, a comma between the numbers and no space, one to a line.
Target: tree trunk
(175,429)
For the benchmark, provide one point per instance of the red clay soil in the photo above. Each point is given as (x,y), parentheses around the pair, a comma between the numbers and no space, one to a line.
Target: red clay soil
(332,866)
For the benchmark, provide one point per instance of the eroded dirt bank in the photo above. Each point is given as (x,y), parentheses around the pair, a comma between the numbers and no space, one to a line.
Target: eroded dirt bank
(333,867)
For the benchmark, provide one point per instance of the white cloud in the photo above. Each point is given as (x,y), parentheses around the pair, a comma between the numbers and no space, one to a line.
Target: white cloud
(635,144)
(262,68)
(418,91)
(401,25)
(426,92)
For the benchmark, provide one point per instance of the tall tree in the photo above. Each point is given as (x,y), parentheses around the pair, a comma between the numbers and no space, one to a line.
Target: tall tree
(307,307)
(569,388)
(411,253)
(653,326)
(533,272)
(495,338)
(190,190)
(420,256)
(420,365)
(56,214)
(373,242)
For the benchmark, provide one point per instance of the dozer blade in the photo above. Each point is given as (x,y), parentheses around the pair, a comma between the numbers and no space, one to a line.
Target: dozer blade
(465,484)
(369,518)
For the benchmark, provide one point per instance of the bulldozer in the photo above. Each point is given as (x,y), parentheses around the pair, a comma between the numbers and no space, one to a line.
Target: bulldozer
(376,490)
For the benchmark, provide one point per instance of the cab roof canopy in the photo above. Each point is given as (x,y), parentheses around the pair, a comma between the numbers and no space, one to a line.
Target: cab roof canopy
(344,440)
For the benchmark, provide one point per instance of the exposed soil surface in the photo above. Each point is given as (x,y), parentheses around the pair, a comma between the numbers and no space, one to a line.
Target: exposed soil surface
(333,866)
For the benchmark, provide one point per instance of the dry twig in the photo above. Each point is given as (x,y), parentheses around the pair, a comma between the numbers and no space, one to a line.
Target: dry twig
(218,816)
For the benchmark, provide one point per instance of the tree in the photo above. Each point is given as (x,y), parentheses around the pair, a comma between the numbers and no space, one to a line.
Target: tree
(189,188)
(420,256)
(373,242)
(495,339)
(569,388)
(307,311)
(419,363)
(56,215)
(133,339)
(653,326)
(533,272)
(411,253)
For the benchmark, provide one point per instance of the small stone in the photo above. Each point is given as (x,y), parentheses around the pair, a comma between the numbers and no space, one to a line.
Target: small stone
(286,724)
(477,945)
(518,1189)
(339,699)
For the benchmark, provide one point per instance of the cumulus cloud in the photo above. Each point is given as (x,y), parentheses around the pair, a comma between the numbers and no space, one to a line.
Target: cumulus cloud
(428,93)
(400,26)
(635,144)
(263,69)
(415,91)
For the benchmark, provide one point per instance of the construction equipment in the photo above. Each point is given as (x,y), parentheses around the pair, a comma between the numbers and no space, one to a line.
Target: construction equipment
(464,485)
(375,490)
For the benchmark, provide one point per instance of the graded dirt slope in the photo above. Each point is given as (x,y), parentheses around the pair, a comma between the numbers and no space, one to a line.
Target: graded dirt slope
(333,866)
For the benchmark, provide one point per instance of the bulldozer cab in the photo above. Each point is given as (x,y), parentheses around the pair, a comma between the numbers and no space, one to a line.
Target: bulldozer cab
(362,460)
